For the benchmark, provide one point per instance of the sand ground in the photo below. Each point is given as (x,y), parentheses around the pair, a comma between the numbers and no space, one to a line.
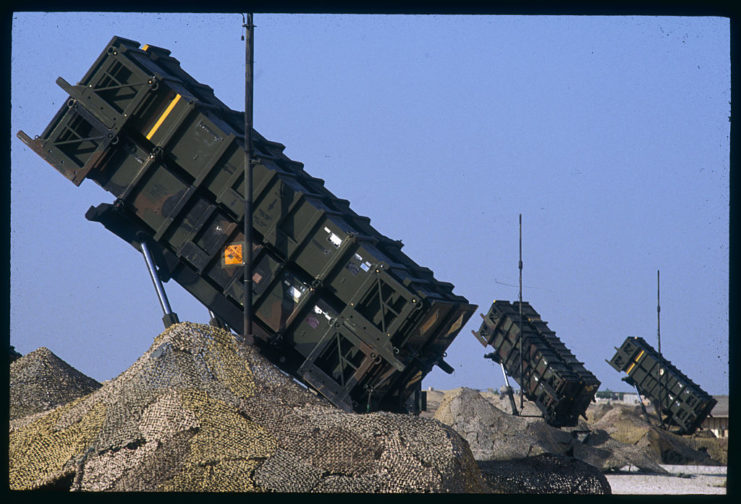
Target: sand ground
(684,480)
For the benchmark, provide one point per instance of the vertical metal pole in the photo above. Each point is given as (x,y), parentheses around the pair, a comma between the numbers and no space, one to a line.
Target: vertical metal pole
(522,333)
(247,253)
(658,334)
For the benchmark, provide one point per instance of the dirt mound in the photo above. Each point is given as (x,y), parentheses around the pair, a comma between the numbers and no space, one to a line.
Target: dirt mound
(200,411)
(596,411)
(600,450)
(628,425)
(40,381)
(501,401)
(494,435)
(623,423)
(716,448)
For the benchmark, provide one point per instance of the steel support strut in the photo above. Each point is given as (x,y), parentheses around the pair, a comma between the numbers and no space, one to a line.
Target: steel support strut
(169,317)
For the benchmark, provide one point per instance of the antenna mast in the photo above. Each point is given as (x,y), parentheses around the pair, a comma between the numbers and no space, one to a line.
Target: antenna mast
(247,254)
(658,335)
(522,334)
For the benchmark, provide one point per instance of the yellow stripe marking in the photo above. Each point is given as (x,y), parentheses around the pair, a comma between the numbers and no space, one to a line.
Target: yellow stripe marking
(163,116)
(635,361)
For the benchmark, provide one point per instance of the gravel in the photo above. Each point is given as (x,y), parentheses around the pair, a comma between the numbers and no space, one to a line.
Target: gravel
(683,480)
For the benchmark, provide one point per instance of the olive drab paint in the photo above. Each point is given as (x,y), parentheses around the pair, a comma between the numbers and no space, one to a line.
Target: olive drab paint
(551,376)
(337,304)
(682,403)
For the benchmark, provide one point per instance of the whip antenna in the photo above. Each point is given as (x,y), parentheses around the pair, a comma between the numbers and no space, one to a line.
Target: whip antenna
(658,335)
(247,254)
(522,358)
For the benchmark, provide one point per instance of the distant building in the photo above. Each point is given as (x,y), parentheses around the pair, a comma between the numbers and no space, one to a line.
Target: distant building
(631,398)
(717,421)
(610,397)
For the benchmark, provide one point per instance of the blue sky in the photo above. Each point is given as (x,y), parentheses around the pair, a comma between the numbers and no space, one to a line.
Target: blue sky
(610,135)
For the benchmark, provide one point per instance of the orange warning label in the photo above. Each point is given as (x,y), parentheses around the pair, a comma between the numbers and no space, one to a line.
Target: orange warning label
(233,254)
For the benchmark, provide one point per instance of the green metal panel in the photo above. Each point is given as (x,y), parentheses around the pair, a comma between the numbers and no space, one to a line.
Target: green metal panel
(313,326)
(551,376)
(683,402)
(337,304)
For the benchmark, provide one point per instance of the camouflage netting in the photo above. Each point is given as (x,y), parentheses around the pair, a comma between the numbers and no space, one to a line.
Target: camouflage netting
(40,381)
(12,354)
(199,411)
(545,474)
